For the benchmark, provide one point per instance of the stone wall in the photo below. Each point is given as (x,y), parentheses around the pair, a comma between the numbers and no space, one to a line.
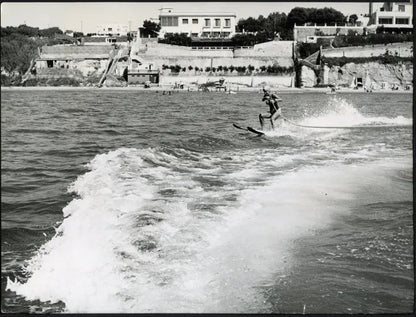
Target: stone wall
(308,77)
(66,52)
(265,54)
(232,81)
(402,49)
(158,62)
(86,67)
(272,48)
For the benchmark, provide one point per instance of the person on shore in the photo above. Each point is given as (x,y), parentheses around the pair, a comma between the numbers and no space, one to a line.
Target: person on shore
(274,109)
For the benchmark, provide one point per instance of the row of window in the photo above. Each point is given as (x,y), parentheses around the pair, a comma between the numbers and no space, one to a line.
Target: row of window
(174,21)
(390,21)
(207,22)
(209,34)
(400,8)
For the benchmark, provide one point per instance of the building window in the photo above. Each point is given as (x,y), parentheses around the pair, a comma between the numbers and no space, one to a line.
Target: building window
(401,7)
(217,23)
(207,22)
(169,21)
(110,29)
(184,21)
(194,21)
(385,21)
(402,20)
(194,34)
(227,23)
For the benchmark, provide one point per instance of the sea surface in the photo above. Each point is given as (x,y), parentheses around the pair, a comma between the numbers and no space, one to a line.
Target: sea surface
(123,201)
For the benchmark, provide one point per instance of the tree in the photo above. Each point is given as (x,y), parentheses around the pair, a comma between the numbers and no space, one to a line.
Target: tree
(301,16)
(275,23)
(151,26)
(297,15)
(353,18)
(177,39)
(50,32)
(27,30)
(250,25)
(78,34)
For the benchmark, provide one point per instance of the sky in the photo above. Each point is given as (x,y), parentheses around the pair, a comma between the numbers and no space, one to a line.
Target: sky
(86,16)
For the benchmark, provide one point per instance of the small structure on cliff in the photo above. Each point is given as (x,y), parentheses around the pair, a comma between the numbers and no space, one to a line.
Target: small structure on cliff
(72,61)
(140,72)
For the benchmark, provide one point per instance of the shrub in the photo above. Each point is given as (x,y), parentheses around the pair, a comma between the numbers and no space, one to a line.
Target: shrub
(379,38)
(190,68)
(384,59)
(177,39)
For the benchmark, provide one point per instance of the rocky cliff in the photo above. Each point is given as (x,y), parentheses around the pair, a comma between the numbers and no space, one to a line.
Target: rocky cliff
(399,74)
(370,73)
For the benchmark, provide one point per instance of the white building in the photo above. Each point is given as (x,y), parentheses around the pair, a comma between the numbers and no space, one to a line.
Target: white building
(393,15)
(112,29)
(205,24)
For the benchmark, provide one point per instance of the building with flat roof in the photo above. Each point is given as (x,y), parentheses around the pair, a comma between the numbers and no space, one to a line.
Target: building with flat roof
(112,29)
(205,25)
(393,15)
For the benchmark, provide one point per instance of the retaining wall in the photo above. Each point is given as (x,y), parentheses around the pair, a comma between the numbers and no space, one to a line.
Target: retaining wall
(201,62)
(402,49)
(231,81)
(272,48)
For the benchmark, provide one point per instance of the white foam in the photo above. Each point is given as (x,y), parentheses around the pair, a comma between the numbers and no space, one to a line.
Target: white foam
(200,261)
(339,112)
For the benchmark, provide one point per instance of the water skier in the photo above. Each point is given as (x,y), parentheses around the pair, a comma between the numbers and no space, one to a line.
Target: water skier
(275,112)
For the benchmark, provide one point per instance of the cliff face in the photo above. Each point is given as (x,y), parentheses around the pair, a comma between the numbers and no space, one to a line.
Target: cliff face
(374,72)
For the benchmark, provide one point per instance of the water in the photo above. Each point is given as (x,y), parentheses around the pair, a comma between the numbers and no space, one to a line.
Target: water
(130,201)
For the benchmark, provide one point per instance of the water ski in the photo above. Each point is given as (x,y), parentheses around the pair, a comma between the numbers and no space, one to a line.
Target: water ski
(259,133)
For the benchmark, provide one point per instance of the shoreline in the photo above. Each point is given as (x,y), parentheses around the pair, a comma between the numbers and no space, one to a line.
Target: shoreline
(241,89)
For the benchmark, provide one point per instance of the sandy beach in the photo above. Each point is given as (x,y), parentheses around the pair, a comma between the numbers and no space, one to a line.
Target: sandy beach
(194,89)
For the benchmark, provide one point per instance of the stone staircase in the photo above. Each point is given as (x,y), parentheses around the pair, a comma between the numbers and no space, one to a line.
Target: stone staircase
(115,56)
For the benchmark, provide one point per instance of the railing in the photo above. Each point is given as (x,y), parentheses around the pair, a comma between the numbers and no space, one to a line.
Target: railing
(222,47)
(143,71)
(329,25)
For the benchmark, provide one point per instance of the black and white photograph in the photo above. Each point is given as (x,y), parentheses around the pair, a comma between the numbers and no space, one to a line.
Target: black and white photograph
(207,157)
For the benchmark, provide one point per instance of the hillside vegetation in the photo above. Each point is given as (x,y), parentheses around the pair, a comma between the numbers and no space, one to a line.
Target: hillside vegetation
(19,45)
